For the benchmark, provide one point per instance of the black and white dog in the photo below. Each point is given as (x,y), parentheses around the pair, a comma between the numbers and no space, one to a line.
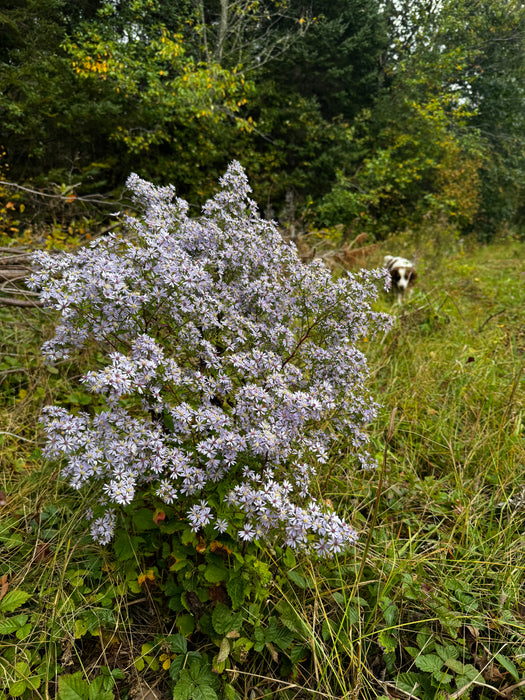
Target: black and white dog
(402,273)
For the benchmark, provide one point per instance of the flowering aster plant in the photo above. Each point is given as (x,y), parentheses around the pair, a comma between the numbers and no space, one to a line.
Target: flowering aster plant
(231,365)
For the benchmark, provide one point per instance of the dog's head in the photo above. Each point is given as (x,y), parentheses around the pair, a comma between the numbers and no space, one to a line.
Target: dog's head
(401,271)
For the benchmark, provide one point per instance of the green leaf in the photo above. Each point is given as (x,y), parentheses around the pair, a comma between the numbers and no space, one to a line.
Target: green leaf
(455,665)
(80,398)
(471,672)
(298,653)
(236,589)
(215,574)
(176,666)
(447,652)
(387,641)
(204,692)
(72,687)
(352,615)
(95,688)
(180,564)
(508,666)
(276,633)
(241,647)
(17,688)
(224,651)
(224,620)
(127,547)
(177,643)
(143,519)
(390,611)
(296,578)
(34,682)
(442,677)
(429,662)
(410,682)
(462,682)
(167,419)
(291,619)
(24,631)
(186,624)
(424,640)
(12,541)
(81,628)
(289,559)
(229,692)
(468,602)
(118,673)
(202,673)
(188,537)
(340,598)
(22,669)
(328,629)
(184,689)
(11,624)
(96,692)
(13,600)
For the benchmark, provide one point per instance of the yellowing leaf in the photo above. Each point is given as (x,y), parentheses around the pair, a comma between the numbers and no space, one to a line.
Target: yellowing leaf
(148,576)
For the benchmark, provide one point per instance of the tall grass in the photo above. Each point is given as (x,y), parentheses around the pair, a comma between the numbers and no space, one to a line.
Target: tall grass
(446,550)
(431,602)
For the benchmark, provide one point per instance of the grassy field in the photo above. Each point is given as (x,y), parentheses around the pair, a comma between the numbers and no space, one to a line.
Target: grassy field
(430,604)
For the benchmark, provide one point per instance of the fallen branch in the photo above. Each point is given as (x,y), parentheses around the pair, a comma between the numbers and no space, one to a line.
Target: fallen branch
(19,274)
(15,267)
(6,301)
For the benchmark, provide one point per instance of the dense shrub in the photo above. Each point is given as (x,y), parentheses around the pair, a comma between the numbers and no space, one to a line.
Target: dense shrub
(229,366)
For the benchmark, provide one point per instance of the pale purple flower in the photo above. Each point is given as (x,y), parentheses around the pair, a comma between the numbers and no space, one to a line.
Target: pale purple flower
(227,359)
(221,525)
(247,533)
(199,515)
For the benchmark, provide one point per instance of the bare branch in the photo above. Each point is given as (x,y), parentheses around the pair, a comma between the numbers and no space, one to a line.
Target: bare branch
(7,301)
(87,199)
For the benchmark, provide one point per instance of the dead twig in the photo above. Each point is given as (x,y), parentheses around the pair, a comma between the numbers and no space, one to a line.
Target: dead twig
(497,313)
(13,274)
(6,301)
(69,198)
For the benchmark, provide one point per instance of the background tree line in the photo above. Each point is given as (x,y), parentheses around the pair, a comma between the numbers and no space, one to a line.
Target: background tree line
(375,116)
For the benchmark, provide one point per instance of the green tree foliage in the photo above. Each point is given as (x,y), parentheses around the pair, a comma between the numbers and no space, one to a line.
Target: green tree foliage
(379,115)
(337,62)
(423,149)
(97,89)
(291,152)
(414,171)
(494,32)
(307,96)
(162,91)
(38,98)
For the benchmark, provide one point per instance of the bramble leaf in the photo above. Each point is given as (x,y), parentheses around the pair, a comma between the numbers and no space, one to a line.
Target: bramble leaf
(224,620)
(13,600)
(429,662)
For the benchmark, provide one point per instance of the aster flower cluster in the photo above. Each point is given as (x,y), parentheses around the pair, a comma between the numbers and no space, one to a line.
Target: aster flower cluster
(231,365)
